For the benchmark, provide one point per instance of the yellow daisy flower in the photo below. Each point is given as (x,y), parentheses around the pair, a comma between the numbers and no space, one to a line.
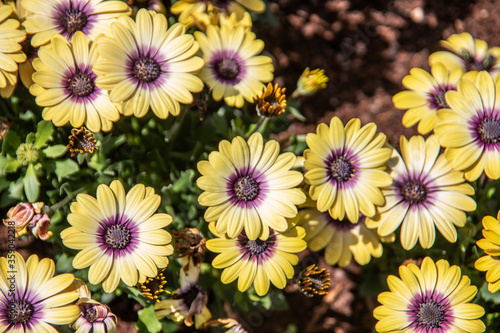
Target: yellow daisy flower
(470,131)
(32,299)
(155,5)
(491,246)
(64,84)
(145,65)
(346,168)
(11,53)
(310,82)
(188,303)
(203,20)
(342,240)
(259,261)
(119,235)
(233,70)
(425,95)
(49,17)
(189,8)
(249,185)
(426,193)
(468,53)
(433,298)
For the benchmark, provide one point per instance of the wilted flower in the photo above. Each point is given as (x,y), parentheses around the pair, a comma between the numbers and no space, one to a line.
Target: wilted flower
(153,286)
(314,281)
(81,141)
(271,102)
(227,325)
(189,245)
(310,82)
(4,126)
(95,317)
(28,218)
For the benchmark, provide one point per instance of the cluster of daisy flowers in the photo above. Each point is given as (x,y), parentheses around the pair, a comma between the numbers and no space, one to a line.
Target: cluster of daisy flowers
(92,62)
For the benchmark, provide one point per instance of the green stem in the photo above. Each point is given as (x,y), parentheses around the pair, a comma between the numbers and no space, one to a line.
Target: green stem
(262,120)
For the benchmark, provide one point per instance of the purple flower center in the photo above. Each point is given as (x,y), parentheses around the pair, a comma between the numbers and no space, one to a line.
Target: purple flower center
(246,188)
(431,314)
(91,315)
(341,169)
(73,20)
(117,237)
(20,311)
(227,68)
(146,69)
(413,191)
(473,64)
(489,130)
(257,247)
(188,296)
(437,99)
(82,84)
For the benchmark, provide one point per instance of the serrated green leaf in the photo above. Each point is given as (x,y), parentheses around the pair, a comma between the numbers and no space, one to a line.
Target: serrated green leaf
(55,151)
(43,133)
(31,184)
(148,318)
(66,168)
(9,164)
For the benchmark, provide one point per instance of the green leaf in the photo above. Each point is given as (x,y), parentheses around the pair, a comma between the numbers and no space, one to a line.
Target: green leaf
(184,181)
(66,168)
(31,184)
(43,133)
(296,113)
(148,318)
(55,151)
(9,164)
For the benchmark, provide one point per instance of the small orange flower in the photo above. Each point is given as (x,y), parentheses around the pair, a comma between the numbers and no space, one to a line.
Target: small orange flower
(81,141)
(272,101)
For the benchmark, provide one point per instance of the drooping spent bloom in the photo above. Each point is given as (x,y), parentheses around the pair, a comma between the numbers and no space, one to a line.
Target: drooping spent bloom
(146,64)
(425,95)
(432,298)
(11,53)
(427,193)
(119,235)
(190,245)
(95,317)
(153,286)
(257,262)
(32,299)
(188,303)
(310,82)
(65,85)
(189,8)
(233,69)
(346,168)
(249,186)
(470,54)
(81,141)
(314,281)
(341,239)
(490,244)
(65,17)
(470,131)
(271,102)
(29,218)
(227,325)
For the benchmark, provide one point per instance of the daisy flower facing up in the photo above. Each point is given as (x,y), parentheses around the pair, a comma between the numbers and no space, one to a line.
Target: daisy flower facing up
(119,235)
(346,168)
(342,240)
(145,65)
(491,246)
(189,8)
(425,95)
(470,131)
(47,18)
(426,193)
(32,299)
(233,70)
(432,298)
(249,185)
(468,53)
(11,53)
(64,84)
(259,261)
